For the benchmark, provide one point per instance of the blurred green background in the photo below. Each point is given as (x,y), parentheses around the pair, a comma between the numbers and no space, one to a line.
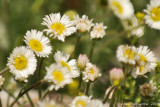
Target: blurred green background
(18,16)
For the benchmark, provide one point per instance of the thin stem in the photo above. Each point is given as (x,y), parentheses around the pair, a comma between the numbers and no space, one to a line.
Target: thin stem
(76,45)
(107,96)
(0,103)
(80,81)
(10,94)
(25,91)
(87,88)
(45,94)
(92,49)
(39,76)
(4,70)
(8,98)
(29,99)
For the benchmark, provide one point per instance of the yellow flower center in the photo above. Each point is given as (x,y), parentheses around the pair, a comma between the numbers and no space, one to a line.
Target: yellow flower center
(117,6)
(140,16)
(129,54)
(35,45)
(65,65)
(91,71)
(20,62)
(80,103)
(58,76)
(143,58)
(155,14)
(50,105)
(58,27)
(140,68)
(116,82)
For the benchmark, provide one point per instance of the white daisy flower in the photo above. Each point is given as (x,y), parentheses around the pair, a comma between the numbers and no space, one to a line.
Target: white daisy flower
(80,101)
(22,63)
(122,8)
(1,81)
(146,61)
(83,24)
(63,58)
(91,72)
(59,27)
(46,103)
(152,17)
(98,31)
(38,43)
(127,54)
(95,103)
(58,75)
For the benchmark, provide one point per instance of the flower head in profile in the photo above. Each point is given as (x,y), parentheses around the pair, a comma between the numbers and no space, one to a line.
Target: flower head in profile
(98,31)
(58,76)
(127,54)
(58,26)
(122,8)
(82,61)
(80,101)
(1,81)
(152,17)
(63,59)
(116,76)
(83,24)
(38,43)
(91,72)
(46,103)
(22,63)
(146,61)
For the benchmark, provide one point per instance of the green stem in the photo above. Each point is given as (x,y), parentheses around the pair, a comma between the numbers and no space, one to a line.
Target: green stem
(107,96)
(29,99)
(10,94)
(45,94)
(87,88)
(92,49)
(25,91)
(0,103)
(4,70)
(8,100)
(76,46)
(39,76)
(80,81)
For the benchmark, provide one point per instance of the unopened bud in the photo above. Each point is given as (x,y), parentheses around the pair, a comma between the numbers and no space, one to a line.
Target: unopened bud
(82,61)
(116,76)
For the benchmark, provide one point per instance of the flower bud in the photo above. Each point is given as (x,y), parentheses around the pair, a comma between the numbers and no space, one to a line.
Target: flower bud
(116,76)
(82,61)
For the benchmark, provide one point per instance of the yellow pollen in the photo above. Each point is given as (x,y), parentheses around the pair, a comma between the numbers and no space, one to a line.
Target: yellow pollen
(20,62)
(80,103)
(91,71)
(58,76)
(35,45)
(129,54)
(140,68)
(143,58)
(155,14)
(58,27)
(140,16)
(50,105)
(118,6)
(65,65)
